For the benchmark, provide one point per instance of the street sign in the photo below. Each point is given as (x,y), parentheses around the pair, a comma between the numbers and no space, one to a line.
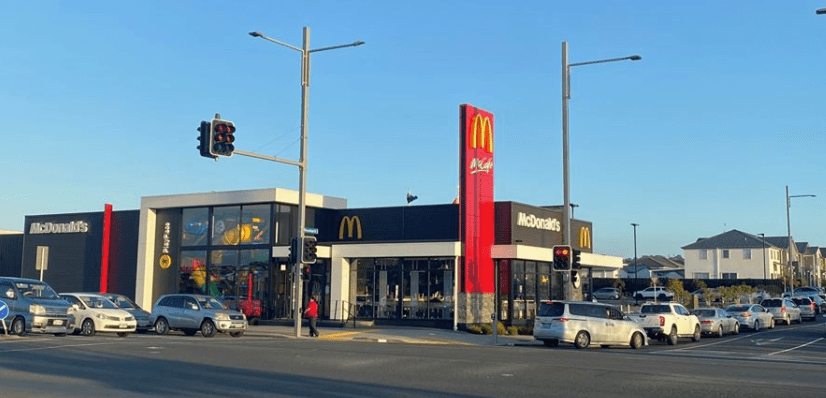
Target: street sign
(4,310)
(311,230)
(42,260)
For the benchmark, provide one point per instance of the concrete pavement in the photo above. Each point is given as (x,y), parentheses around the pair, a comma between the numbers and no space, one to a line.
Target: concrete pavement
(389,334)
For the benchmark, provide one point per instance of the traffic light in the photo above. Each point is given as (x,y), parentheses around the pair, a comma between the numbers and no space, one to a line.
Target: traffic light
(562,258)
(204,143)
(305,272)
(221,136)
(308,254)
(294,251)
(575,264)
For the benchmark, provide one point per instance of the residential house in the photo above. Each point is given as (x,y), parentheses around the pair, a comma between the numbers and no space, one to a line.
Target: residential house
(736,255)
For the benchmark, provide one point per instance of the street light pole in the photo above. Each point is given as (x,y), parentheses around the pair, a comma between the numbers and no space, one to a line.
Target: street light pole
(820,11)
(789,230)
(636,287)
(566,172)
(302,161)
(763,239)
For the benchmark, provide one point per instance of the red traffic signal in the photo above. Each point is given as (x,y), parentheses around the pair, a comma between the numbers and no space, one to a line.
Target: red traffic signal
(222,136)
(562,258)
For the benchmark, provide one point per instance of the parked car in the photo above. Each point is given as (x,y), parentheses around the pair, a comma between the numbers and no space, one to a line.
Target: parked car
(654,293)
(807,290)
(34,307)
(607,293)
(191,313)
(783,309)
(820,303)
(95,313)
(125,303)
(752,316)
(668,322)
(716,321)
(584,323)
(807,307)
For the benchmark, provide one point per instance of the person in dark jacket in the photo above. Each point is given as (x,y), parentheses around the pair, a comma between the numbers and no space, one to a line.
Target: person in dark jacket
(311,313)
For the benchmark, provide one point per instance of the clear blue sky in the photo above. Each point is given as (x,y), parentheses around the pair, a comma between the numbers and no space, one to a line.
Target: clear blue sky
(100,101)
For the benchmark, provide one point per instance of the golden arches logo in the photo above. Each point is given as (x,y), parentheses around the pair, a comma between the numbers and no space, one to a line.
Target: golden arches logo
(351,223)
(165,261)
(482,133)
(584,237)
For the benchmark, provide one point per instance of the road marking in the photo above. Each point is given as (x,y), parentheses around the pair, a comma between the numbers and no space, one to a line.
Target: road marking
(340,335)
(54,346)
(760,342)
(794,348)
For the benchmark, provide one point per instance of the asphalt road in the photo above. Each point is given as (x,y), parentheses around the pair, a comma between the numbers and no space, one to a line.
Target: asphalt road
(785,361)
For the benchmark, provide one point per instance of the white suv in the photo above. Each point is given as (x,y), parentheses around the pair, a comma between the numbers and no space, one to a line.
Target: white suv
(658,292)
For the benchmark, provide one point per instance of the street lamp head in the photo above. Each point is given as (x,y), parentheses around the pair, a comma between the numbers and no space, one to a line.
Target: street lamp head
(820,11)
(635,57)
(358,43)
(256,34)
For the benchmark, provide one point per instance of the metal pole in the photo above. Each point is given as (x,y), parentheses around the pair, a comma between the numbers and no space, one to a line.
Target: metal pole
(298,300)
(789,269)
(763,236)
(636,271)
(567,288)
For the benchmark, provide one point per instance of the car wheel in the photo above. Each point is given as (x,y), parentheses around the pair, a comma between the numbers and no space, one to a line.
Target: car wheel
(772,324)
(122,334)
(696,336)
(756,326)
(720,331)
(236,334)
(87,328)
(582,339)
(736,329)
(637,340)
(550,343)
(799,320)
(672,337)
(638,297)
(18,326)
(208,328)
(161,326)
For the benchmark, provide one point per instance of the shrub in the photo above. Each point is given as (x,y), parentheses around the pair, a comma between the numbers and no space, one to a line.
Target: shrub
(513,330)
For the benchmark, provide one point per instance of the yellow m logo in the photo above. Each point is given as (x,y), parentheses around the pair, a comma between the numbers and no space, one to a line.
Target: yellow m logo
(584,237)
(482,133)
(350,222)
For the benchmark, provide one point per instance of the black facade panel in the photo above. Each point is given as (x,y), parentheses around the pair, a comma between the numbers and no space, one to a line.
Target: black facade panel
(11,254)
(74,241)
(392,224)
(123,252)
(166,279)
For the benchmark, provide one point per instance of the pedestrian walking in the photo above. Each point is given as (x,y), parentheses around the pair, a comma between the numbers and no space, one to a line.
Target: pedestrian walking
(311,313)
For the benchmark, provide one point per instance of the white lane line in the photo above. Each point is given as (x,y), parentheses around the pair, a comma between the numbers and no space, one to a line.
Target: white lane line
(52,347)
(794,348)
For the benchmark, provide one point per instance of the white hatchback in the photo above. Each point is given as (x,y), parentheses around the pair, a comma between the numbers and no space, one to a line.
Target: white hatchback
(95,313)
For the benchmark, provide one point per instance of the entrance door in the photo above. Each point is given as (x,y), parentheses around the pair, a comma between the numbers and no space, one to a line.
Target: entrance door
(281,285)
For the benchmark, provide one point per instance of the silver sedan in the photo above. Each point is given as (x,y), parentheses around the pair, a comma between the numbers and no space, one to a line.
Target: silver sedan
(752,316)
(716,321)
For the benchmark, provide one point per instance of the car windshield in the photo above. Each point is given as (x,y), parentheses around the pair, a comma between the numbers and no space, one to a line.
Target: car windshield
(123,302)
(772,303)
(655,309)
(211,303)
(551,309)
(39,290)
(98,302)
(706,313)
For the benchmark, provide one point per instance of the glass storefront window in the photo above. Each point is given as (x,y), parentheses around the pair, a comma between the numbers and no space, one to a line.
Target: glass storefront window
(226,225)
(195,227)
(255,225)
(192,277)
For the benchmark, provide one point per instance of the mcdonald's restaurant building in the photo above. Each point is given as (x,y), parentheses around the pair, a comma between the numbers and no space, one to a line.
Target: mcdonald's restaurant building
(436,265)
(400,265)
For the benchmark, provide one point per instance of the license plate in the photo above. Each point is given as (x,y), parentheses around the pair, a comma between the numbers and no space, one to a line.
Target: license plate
(123,326)
(57,322)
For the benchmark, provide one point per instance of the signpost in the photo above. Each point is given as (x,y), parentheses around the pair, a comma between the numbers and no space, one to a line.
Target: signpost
(42,261)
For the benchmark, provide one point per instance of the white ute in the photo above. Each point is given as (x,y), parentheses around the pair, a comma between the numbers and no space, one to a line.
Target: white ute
(668,321)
